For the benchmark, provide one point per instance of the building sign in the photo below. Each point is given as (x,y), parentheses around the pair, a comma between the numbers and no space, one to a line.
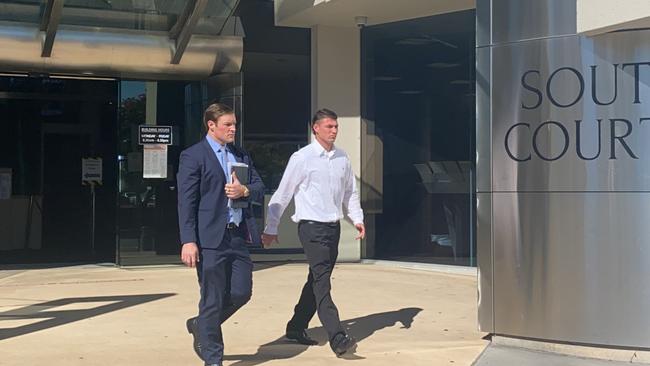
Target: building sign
(150,134)
(91,171)
(572,121)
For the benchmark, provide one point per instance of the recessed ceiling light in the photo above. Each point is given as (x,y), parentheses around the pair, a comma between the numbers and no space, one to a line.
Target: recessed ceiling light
(443,42)
(414,41)
(386,78)
(442,65)
(410,92)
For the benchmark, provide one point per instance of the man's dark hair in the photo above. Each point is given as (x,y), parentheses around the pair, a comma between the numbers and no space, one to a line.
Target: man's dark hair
(322,113)
(214,111)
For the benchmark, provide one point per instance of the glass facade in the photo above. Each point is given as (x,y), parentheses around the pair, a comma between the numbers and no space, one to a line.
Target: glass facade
(146,218)
(48,126)
(418,109)
(277,86)
(51,123)
(418,140)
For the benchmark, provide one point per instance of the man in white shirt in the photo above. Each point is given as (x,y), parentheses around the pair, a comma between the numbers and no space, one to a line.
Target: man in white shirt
(320,179)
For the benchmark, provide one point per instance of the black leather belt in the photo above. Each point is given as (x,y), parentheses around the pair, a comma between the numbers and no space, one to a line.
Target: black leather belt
(231,225)
(313,222)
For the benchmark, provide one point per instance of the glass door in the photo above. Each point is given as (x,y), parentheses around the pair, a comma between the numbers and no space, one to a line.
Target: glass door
(418,144)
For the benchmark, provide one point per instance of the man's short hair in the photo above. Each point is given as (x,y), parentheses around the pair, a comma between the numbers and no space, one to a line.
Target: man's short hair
(323,113)
(214,111)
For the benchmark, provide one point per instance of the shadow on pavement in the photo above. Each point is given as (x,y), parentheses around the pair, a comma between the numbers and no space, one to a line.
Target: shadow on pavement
(260,266)
(359,328)
(55,318)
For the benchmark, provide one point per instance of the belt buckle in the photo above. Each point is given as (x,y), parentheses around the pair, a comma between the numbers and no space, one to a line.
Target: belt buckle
(231,225)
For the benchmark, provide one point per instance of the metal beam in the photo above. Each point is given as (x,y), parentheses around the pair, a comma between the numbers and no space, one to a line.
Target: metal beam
(232,11)
(175,31)
(50,24)
(186,30)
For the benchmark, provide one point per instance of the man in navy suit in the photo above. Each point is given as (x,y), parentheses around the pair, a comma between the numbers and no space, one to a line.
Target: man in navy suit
(214,235)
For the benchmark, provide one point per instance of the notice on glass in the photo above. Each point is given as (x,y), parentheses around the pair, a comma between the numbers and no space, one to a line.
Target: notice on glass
(154,161)
(5,183)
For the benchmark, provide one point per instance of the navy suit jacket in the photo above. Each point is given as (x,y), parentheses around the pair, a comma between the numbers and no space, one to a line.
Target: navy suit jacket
(202,202)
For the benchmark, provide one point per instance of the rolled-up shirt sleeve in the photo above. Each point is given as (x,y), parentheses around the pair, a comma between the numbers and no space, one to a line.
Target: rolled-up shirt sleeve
(351,197)
(291,179)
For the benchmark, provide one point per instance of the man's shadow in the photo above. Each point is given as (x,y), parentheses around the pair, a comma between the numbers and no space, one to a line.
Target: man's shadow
(359,328)
(45,315)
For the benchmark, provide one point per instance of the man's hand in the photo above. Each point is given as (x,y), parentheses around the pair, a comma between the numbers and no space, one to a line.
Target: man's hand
(190,254)
(267,239)
(362,231)
(234,190)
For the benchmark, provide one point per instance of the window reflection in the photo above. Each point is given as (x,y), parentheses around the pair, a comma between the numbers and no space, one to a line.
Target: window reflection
(418,109)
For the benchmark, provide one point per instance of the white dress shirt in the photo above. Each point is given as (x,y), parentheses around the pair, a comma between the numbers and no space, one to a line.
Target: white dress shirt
(322,182)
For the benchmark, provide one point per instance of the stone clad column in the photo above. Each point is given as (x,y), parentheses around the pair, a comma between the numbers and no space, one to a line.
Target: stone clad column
(336,84)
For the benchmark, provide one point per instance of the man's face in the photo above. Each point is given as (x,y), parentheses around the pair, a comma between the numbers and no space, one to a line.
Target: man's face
(223,129)
(326,129)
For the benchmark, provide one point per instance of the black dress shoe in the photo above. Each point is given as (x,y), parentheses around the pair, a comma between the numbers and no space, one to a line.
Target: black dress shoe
(343,343)
(301,337)
(192,328)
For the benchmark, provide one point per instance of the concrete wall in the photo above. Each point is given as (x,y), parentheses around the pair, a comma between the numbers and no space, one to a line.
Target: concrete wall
(336,85)
(341,13)
(600,16)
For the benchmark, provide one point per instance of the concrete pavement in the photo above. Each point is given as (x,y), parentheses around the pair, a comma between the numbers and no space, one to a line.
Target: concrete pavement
(497,355)
(102,315)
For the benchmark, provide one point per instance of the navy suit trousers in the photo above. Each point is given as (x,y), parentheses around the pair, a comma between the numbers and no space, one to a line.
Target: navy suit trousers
(226,280)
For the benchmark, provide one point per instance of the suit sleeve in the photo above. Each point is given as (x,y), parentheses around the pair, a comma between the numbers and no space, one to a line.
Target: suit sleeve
(189,182)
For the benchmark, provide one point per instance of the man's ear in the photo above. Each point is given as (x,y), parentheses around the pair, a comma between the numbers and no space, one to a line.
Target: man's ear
(211,125)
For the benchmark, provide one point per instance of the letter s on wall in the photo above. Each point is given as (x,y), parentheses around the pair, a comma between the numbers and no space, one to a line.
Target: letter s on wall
(532,89)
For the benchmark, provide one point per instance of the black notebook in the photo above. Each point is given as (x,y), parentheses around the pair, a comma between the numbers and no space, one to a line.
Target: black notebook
(241,170)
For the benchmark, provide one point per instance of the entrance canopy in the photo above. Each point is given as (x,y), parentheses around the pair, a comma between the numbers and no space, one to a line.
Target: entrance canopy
(143,39)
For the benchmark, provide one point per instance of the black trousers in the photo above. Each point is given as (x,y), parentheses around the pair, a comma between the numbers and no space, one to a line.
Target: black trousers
(321,244)
(226,280)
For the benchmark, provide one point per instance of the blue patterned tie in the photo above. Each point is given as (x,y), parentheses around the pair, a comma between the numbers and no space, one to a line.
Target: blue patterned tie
(234,214)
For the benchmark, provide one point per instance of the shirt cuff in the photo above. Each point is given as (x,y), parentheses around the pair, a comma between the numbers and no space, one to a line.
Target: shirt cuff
(271,230)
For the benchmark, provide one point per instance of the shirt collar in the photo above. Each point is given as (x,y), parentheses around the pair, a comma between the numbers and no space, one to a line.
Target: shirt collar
(320,150)
(215,145)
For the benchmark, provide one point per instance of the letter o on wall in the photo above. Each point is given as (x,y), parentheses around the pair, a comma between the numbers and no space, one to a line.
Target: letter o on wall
(581,82)
(566,140)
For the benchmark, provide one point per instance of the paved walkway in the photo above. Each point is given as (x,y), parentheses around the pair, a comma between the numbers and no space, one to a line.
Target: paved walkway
(496,355)
(102,315)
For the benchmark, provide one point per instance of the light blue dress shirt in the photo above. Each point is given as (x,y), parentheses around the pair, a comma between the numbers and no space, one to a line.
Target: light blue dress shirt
(224,156)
